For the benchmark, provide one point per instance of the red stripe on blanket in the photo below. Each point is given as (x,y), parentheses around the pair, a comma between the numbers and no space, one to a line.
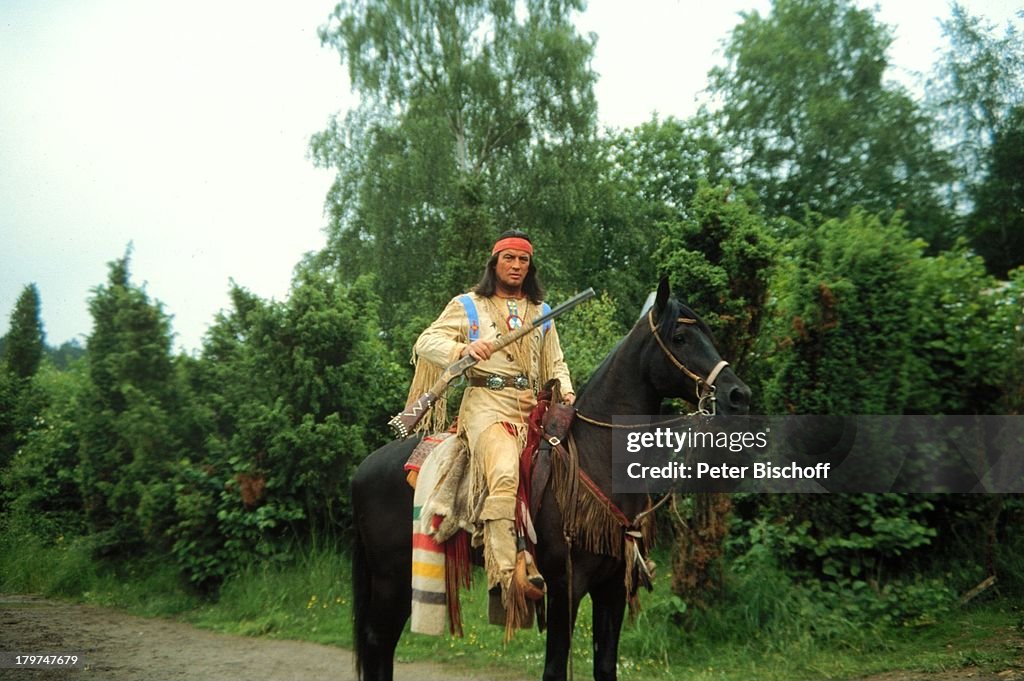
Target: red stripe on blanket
(426,543)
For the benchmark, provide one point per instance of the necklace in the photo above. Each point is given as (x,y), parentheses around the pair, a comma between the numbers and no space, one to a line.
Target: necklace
(513,321)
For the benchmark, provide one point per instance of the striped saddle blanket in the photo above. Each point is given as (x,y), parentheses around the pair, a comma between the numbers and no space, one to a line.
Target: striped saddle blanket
(441,529)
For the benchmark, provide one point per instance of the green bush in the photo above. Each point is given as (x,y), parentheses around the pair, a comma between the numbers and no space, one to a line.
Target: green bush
(41,485)
(128,415)
(294,395)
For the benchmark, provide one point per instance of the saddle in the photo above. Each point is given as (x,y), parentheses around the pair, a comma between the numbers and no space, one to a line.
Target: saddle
(550,422)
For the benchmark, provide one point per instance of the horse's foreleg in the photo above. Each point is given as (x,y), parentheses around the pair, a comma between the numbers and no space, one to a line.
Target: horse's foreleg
(561,620)
(609,604)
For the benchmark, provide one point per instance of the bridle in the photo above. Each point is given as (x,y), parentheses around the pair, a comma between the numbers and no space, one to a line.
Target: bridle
(705,386)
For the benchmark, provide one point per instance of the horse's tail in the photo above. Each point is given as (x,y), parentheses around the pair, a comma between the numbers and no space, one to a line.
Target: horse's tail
(360,601)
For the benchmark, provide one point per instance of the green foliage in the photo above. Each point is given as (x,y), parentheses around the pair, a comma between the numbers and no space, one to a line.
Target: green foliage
(996,227)
(130,430)
(587,335)
(719,257)
(66,354)
(23,399)
(293,396)
(306,597)
(463,58)
(127,429)
(720,260)
(1010,318)
(864,323)
(9,423)
(26,339)
(129,347)
(850,555)
(216,533)
(30,562)
(816,126)
(132,420)
(65,566)
(844,320)
(22,352)
(41,485)
(1010,550)
(977,92)
(860,537)
(655,172)
(475,118)
(961,346)
(976,83)
(771,625)
(664,162)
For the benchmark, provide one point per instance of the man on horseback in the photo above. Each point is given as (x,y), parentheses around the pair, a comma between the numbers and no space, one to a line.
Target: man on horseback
(502,387)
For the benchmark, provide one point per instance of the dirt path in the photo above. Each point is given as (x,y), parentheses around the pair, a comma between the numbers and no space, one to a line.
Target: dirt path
(122,647)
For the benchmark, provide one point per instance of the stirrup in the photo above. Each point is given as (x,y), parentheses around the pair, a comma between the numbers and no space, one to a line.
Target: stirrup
(528,578)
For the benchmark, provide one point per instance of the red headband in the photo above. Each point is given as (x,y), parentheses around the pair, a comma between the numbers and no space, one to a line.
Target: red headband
(518,243)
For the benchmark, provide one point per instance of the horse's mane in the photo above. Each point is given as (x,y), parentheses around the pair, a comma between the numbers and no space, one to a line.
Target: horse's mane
(666,326)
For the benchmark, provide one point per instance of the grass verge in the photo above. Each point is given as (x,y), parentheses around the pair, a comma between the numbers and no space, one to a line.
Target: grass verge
(767,628)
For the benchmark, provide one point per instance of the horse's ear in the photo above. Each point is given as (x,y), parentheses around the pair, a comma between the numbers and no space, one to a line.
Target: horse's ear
(661,298)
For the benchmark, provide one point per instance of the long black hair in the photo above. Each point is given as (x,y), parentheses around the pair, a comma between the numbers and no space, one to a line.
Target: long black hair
(488,284)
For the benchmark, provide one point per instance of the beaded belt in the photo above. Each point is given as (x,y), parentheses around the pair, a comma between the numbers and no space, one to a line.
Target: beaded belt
(500,382)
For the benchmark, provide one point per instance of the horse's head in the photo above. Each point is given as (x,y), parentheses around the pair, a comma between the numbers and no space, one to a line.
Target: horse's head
(684,362)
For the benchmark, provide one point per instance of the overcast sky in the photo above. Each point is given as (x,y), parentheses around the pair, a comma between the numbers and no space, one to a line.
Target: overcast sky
(182,127)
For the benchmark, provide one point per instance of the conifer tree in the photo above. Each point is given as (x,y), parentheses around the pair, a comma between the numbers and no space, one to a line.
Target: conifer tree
(23,351)
(26,339)
(127,424)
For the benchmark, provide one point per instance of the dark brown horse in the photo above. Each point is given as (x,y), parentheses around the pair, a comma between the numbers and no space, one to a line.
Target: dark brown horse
(668,353)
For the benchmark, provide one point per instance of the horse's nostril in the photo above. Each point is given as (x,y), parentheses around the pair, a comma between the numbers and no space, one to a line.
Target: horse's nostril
(739,397)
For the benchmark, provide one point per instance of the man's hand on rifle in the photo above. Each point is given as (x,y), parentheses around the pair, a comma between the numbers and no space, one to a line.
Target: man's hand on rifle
(480,350)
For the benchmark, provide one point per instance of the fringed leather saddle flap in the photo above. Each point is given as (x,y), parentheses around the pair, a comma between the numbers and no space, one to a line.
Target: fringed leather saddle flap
(555,422)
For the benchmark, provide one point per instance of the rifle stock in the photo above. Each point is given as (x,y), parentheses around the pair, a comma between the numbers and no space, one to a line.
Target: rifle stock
(405,422)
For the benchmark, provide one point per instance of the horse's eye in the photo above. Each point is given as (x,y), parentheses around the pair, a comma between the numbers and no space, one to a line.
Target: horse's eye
(679,338)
